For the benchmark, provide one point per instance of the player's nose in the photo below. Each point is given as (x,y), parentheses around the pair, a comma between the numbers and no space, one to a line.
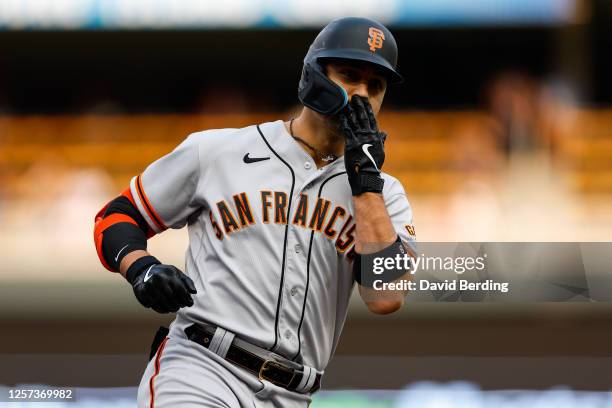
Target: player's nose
(360,89)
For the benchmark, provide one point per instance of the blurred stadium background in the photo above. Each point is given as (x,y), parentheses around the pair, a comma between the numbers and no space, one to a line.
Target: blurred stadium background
(501,132)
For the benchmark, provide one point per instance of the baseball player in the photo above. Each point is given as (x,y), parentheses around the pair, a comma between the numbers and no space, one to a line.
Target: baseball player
(280,217)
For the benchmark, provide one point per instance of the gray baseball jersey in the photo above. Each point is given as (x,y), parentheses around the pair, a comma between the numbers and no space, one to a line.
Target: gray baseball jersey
(270,236)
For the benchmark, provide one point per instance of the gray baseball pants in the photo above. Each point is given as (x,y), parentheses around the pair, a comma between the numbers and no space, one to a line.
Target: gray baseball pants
(187,375)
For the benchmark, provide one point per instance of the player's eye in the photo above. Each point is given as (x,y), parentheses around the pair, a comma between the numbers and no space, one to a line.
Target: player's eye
(376,85)
(351,75)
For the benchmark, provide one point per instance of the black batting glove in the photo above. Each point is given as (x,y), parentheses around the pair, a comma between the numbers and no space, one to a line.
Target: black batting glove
(163,288)
(364,152)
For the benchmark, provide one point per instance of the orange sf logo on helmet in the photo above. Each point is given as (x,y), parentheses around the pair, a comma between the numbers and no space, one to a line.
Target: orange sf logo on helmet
(375,39)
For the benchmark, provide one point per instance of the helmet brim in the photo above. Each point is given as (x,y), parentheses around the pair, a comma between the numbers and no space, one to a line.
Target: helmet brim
(386,69)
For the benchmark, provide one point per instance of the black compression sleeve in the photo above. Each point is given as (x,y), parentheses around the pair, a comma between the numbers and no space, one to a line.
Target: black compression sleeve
(124,237)
(121,239)
(122,205)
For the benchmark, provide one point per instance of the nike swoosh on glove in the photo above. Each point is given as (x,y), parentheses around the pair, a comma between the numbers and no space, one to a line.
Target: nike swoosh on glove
(364,152)
(164,288)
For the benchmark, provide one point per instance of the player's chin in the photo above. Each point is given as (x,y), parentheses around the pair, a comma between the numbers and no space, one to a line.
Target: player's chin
(333,122)
(335,130)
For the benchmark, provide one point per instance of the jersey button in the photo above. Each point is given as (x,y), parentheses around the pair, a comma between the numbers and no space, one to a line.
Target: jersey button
(294,291)
(307,165)
(287,334)
(298,248)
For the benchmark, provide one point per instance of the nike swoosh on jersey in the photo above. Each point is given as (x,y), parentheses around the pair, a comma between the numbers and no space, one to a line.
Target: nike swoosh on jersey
(148,274)
(248,159)
(365,149)
(120,251)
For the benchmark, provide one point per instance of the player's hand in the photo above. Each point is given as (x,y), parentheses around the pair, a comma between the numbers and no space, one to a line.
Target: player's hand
(364,152)
(164,288)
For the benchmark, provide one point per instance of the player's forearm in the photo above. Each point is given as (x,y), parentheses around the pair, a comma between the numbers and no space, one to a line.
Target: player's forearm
(129,259)
(373,230)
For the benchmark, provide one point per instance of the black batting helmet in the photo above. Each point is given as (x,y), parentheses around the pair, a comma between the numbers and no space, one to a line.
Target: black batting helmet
(351,38)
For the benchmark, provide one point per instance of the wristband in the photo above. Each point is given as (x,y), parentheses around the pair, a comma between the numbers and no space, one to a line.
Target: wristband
(138,266)
(369,183)
(363,265)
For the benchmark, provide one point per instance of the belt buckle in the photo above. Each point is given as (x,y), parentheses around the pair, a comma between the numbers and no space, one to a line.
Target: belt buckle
(278,365)
(264,366)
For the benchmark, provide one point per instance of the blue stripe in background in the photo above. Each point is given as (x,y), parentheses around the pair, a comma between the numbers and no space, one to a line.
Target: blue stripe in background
(162,14)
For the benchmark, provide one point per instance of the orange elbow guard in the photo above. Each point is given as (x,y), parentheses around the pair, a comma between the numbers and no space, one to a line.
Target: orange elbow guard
(120,212)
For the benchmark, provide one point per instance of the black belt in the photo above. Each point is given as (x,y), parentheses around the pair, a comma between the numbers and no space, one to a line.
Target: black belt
(269,370)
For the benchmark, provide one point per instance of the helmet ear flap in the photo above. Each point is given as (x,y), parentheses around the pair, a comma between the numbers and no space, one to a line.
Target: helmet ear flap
(318,92)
